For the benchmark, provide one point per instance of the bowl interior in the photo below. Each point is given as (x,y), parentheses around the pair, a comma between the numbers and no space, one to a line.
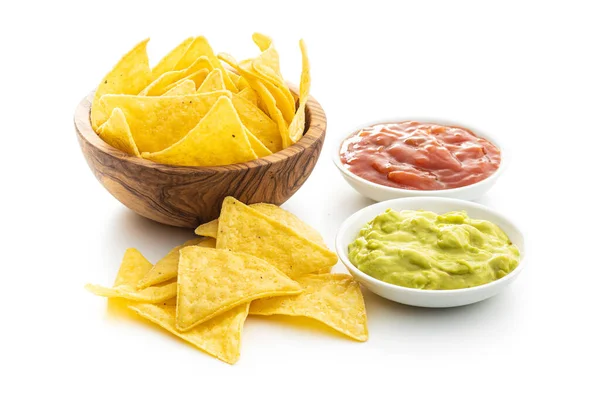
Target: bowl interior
(352,225)
(504,161)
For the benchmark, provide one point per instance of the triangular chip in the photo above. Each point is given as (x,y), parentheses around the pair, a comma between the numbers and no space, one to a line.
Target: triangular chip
(274,212)
(266,97)
(244,229)
(166,268)
(212,281)
(213,82)
(208,229)
(129,76)
(157,122)
(263,127)
(233,76)
(242,83)
(334,299)
(116,133)
(168,62)
(248,94)
(198,48)
(266,67)
(257,146)
(133,268)
(220,337)
(197,77)
(168,79)
(218,139)
(297,124)
(187,87)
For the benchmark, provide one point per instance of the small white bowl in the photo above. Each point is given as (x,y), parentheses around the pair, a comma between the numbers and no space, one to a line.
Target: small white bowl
(428,298)
(380,192)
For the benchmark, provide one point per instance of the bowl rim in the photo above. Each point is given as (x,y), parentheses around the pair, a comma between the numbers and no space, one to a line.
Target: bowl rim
(343,253)
(314,131)
(505,157)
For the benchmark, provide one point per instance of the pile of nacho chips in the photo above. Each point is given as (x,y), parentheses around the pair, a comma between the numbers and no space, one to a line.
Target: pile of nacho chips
(257,260)
(195,108)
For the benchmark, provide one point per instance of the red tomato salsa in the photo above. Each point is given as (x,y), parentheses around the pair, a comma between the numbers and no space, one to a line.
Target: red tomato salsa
(419,156)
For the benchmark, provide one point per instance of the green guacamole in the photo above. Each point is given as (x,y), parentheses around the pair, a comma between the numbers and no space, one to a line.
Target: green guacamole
(425,250)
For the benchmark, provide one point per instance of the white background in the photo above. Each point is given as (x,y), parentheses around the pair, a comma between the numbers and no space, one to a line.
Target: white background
(527,73)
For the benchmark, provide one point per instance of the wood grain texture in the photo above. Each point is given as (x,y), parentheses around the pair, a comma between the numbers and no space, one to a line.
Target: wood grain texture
(189,196)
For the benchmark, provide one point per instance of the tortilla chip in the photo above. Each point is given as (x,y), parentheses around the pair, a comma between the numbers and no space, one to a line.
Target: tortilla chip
(233,76)
(157,122)
(244,229)
(248,94)
(133,268)
(212,281)
(116,133)
(266,67)
(168,79)
(168,62)
(187,87)
(257,146)
(197,77)
(218,139)
(333,299)
(263,127)
(213,82)
(297,124)
(220,337)
(129,76)
(200,47)
(265,96)
(276,213)
(166,268)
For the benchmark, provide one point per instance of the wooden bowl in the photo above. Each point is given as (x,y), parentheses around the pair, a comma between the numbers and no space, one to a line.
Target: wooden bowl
(189,196)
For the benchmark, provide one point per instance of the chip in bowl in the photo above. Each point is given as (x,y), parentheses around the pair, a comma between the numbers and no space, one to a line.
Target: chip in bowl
(260,95)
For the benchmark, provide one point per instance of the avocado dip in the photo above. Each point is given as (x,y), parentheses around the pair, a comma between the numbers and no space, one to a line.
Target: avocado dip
(425,250)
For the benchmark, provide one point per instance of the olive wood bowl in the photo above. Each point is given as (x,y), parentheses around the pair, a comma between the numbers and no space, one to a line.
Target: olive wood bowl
(188,196)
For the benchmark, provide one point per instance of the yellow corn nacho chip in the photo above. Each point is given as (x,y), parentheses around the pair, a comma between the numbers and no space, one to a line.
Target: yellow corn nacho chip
(274,212)
(197,77)
(116,133)
(212,281)
(265,96)
(248,94)
(218,139)
(278,90)
(266,67)
(257,146)
(209,229)
(233,76)
(220,337)
(198,48)
(168,62)
(244,229)
(133,267)
(333,299)
(166,268)
(297,124)
(263,127)
(213,82)
(187,87)
(274,112)
(157,122)
(168,79)
(129,76)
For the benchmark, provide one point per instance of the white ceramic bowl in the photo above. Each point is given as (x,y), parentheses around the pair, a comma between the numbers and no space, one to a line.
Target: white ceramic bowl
(428,298)
(380,192)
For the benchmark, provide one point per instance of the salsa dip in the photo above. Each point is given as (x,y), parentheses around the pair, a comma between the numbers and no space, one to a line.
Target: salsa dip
(413,155)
